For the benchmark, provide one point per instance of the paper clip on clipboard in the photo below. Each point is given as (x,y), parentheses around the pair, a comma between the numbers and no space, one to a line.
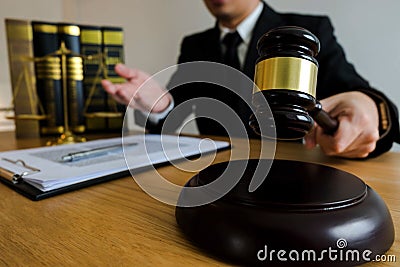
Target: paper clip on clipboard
(16,177)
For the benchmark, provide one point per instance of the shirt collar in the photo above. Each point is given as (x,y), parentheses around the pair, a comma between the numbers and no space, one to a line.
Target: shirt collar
(246,27)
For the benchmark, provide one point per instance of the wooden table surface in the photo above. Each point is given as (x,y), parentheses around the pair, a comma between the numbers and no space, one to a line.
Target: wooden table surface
(117,224)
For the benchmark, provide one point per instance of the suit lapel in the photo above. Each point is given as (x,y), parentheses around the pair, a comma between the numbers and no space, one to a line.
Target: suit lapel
(213,46)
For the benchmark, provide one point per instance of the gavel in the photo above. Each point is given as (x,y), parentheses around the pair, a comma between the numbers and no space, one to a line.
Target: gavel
(242,221)
(286,76)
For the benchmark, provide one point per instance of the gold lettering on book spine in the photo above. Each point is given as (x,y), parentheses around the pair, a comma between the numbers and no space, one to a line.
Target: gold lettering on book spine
(113,37)
(114,54)
(69,30)
(19,32)
(46,28)
(91,37)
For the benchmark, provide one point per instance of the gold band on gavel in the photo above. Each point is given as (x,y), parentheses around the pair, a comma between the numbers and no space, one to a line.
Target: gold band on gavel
(290,73)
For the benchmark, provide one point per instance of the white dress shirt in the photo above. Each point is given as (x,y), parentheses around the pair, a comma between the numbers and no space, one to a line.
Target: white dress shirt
(245,30)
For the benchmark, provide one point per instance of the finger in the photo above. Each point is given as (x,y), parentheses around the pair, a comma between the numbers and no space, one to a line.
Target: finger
(362,146)
(328,104)
(123,94)
(358,150)
(117,91)
(345,135)
(108,86)
(310,139)
(125,72)
(120,99)
(340,141)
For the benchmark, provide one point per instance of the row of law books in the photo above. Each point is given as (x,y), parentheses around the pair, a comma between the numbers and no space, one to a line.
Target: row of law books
(56,70)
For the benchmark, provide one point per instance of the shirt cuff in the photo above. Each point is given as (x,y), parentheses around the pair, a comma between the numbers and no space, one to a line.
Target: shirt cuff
(156,117)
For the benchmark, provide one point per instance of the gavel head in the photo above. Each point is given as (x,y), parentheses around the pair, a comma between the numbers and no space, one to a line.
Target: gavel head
(286,76)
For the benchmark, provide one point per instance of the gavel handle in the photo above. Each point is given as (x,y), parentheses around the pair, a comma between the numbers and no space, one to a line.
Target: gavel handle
(324,120)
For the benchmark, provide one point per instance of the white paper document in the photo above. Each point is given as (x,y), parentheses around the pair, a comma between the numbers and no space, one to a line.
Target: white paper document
(48,168)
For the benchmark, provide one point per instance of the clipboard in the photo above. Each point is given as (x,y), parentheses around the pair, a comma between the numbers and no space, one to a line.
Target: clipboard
(16,181)
(15,170)
(35,194)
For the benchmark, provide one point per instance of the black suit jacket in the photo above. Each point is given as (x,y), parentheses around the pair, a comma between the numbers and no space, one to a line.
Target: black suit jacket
(335,75)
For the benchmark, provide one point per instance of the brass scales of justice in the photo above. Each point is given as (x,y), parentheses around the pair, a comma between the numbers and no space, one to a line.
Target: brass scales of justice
(36,106)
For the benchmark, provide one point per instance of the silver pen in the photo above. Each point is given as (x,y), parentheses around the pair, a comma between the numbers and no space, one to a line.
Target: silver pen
(95,152)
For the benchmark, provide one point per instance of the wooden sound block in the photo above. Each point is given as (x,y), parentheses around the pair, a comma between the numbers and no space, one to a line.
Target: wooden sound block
(303,214)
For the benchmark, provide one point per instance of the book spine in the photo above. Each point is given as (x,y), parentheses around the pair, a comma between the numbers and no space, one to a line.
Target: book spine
(48,75)
(22,73)
(113,49)
(95,96)
(70,35)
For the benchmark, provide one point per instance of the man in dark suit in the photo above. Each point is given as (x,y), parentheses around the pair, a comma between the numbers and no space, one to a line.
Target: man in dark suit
(368,120)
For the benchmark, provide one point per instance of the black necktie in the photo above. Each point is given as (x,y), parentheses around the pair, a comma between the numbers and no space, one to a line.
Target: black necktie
(231,41)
